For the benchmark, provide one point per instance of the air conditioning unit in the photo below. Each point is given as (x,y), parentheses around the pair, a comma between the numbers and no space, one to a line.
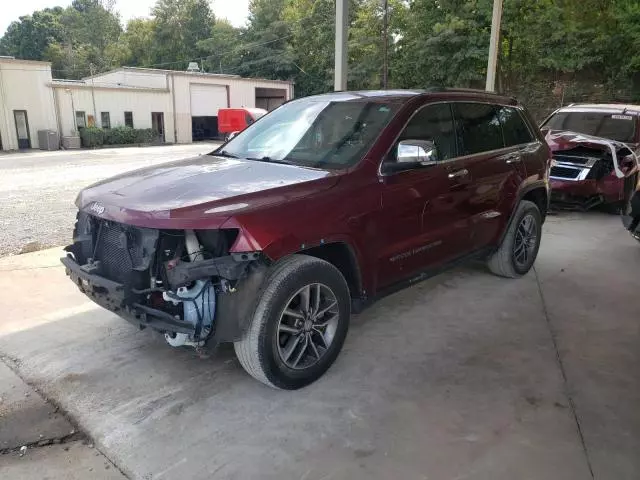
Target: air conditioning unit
(193,67)
(48,140)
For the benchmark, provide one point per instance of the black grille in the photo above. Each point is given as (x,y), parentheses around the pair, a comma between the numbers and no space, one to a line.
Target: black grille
(117,251)
(564,172)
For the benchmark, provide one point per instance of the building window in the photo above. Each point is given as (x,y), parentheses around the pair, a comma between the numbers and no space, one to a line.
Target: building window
(105,120)
(81,120)
(128,119)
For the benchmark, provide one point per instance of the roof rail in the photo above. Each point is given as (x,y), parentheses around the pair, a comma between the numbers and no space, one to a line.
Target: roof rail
(471,90)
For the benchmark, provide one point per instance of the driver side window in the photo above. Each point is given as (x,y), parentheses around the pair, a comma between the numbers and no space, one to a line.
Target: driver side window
(433,123)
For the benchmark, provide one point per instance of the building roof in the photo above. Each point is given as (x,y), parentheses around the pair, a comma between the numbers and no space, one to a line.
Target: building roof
(4,59)
(63,83)
(160,71)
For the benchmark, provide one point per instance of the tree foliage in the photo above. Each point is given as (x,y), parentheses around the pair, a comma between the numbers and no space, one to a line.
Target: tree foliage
(548,48)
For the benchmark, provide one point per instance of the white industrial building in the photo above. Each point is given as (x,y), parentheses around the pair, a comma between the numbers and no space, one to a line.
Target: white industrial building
(182,106)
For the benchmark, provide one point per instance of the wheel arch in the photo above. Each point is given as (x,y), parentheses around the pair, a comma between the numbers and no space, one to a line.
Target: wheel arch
(342,256)
(538,195)
(536,192)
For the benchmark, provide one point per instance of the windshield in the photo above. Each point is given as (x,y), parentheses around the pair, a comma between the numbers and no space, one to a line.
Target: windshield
(606,125)
(313,133)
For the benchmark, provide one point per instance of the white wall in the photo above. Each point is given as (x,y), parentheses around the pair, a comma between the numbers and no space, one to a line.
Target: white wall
(132,77)
(24,85)
(115,101)
(242,93)
(138,78)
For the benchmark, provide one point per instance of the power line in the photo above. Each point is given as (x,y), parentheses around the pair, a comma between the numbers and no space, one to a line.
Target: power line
(242,47)
(247,46)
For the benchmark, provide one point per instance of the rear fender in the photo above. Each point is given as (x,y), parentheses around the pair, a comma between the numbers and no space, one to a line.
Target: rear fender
(537,185)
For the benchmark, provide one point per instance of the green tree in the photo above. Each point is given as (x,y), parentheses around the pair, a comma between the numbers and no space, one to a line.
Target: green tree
(30,35)
(136,45)
(366,44)
(265,44)
(179,26)
(311,44)
(222,47)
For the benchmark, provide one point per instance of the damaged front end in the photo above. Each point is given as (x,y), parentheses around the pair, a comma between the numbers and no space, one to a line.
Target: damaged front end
(183,283)
(588,171)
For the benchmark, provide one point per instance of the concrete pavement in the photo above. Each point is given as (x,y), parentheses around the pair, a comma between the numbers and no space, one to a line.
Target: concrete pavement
(465,376)
(38,442)
(73,461)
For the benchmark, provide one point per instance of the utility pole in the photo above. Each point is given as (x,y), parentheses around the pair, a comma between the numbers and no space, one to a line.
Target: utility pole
(73,111)
(492,64)
(342,33)
(385,46)
(93,97)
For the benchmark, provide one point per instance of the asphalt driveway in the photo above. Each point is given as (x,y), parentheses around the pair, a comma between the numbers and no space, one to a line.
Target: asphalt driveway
(465,376)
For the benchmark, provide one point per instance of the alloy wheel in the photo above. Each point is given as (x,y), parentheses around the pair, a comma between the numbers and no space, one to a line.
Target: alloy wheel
(525,242)
(307,326)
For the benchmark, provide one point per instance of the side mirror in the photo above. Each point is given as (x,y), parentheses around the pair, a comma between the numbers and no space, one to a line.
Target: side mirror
(231,135)
(416,152)
(412,154)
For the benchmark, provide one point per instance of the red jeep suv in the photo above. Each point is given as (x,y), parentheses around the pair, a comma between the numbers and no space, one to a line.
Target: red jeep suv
(315,210)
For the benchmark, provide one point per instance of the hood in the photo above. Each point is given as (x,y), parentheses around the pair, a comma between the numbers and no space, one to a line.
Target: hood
(559,141)
(565,140)
(204,184)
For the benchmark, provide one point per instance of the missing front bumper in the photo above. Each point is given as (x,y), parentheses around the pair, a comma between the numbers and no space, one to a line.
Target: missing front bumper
(114,297)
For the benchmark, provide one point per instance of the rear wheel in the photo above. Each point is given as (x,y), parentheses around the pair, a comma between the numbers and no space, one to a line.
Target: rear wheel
(299,324)
(614,208)
(520,245)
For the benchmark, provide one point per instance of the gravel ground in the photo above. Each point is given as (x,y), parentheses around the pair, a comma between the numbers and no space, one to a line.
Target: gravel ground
(37,189)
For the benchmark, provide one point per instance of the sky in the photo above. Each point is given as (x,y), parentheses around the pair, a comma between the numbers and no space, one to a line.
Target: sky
(235,11)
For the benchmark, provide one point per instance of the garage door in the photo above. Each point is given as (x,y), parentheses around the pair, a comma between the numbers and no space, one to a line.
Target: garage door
(206,100)
(270,98)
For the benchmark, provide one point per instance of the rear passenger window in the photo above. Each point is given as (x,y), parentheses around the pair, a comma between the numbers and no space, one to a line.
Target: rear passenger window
(514,129)
(477,127)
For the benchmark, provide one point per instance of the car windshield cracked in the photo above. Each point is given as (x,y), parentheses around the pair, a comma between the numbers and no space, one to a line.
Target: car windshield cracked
(314,133)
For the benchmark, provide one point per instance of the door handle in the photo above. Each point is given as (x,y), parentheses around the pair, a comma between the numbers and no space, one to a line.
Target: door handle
(513,158)
(460,173)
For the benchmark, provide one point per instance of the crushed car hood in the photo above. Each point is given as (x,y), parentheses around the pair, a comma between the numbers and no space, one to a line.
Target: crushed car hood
(562,140)
(207,183)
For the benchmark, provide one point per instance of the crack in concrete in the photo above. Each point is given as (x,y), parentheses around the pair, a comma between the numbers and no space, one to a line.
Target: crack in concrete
(75,435)
(71,437)
(563,372)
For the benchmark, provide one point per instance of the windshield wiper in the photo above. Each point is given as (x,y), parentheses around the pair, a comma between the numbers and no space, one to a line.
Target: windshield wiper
(224,153)
(271,160)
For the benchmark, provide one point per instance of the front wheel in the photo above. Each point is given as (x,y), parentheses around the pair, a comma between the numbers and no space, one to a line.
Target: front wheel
(299,325)
(520,245)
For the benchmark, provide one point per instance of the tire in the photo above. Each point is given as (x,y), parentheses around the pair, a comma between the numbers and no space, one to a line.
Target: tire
(263,348)
(503,261)
(614,208)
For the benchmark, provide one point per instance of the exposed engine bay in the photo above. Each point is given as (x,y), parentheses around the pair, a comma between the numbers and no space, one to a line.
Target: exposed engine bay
(588,171)
(174,281)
